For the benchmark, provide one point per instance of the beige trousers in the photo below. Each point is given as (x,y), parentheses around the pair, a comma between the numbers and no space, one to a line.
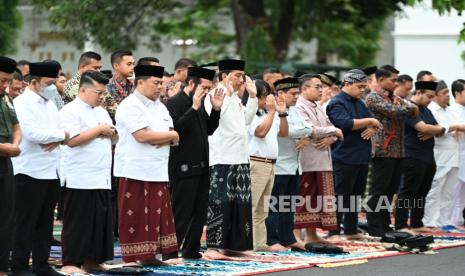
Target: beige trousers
(262,179)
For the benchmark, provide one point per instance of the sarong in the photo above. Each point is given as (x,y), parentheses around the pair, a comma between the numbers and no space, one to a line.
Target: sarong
(317,188)
(229,214)
(145,220)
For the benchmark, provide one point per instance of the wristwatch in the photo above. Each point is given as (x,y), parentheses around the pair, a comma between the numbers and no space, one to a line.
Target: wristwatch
(283,114)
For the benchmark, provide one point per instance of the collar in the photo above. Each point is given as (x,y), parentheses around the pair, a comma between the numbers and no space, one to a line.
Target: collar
(82,103)
(458,105)
(120,80)
(34,95)
(146,101)
(347,97)
(385,93)
(307,103)
(433,105)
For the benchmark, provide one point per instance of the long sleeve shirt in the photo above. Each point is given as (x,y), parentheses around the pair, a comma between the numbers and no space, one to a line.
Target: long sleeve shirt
(39,122)
(391,111)
(229,142)
(311,158)
(288,156)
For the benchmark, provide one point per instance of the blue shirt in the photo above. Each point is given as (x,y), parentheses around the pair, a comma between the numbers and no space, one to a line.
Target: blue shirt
(414,147)
(342,110)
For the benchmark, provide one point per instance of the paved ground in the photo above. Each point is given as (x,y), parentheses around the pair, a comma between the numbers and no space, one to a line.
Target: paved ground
(448,262)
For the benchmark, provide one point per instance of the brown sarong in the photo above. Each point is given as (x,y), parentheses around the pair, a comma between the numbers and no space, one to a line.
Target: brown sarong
(313,187)
(146,223)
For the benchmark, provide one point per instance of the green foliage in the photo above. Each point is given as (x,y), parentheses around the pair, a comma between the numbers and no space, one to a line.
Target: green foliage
(10,22)
(258,48)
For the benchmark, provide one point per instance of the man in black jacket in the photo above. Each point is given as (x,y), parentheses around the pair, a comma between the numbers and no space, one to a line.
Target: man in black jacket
(188,163)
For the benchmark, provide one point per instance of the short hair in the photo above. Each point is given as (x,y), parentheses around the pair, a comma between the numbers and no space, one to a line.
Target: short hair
(306,77)
(118,55)
(404,78)
(457,86)
(147,60)
(136,80)
(166,74)
(220,74)
(263,88)
(17,75)
(423,73)
(184,63)
(22,62)
(383,73)
(89,77)
(85,57)
(390,68)
(271,70)
(61,74)
(195,80)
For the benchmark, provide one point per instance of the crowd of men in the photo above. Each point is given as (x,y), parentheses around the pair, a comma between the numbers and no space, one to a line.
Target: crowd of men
(151,158)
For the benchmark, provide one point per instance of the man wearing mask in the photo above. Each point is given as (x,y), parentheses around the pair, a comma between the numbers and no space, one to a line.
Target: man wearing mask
(188,163)
(36,170)
(10,136)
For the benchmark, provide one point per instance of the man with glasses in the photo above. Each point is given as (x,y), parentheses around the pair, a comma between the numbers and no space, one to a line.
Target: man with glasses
(86,169)
(316,181)
(388,145)
(36,170)
(348,112)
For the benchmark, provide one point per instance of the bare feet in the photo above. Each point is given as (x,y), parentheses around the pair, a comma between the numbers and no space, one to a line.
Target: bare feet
(298,235)
(152,262)
(422,230)
(69,269)
(174,261)
(298,245)
(93,267)
(275,247)
(214,254)
(312,236)
(406,230)
(359,237)
(336,238)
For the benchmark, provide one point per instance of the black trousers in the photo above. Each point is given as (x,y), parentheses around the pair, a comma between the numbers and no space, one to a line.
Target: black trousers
(189,198)
(280,225)
(87,226)
(386,174)
(418,177)
(35,203)
(349,182)
(7,204)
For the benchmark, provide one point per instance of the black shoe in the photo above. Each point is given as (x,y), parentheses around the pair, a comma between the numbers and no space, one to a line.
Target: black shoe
(47,271)
(192,255)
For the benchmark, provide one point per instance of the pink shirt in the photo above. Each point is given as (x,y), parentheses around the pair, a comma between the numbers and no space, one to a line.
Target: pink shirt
(311,158)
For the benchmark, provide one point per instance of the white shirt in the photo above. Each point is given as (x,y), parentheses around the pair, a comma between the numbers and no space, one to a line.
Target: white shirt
(446,148)
(288,157)
(459,111)
(264,147)
(39,124)
(87,166)
(229,142)
(141,161)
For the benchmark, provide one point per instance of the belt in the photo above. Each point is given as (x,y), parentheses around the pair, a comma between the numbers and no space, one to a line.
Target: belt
(261,159)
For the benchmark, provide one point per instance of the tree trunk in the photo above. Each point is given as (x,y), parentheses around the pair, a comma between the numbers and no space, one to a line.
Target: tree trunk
(282,37)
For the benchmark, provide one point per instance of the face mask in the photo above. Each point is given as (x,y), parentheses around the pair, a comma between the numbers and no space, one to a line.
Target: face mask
(49,92)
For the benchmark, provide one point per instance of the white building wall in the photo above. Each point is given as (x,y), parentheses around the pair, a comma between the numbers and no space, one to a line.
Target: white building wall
(423,40)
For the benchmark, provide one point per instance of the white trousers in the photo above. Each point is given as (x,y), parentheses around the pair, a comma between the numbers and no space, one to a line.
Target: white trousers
(438,206)
(458,204)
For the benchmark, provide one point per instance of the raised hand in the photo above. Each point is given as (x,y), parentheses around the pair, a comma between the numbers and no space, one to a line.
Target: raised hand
(217,98)
(281,104)
(270,105)
(250,86)
(199,94)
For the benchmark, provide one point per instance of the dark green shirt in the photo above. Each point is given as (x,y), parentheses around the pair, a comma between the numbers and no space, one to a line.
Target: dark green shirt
(7,118)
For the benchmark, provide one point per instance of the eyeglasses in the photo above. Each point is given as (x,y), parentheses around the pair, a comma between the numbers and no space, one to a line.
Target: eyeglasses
(99,93)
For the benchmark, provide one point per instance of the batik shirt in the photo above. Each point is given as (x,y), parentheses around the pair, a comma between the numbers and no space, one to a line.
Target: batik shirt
(118,89)
(391,111)
(71,88)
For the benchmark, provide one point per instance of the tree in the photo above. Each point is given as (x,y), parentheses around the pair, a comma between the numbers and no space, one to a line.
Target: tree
(263,29)
(10,22)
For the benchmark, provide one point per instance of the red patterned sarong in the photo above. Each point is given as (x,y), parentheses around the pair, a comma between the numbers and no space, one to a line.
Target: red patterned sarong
(146,223)
(313,187)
